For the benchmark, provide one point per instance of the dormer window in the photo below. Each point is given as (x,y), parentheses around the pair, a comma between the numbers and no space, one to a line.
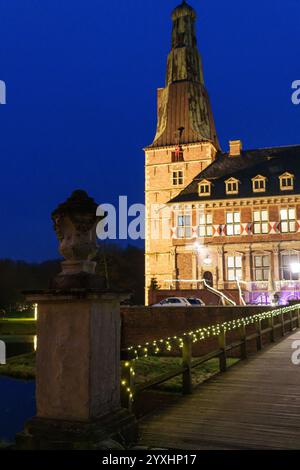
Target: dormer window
(259,184)
(204,188)
(286,182)
(232,186)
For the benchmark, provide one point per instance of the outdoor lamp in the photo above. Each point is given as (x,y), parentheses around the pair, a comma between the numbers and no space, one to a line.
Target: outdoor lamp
(207,260)
(295,268)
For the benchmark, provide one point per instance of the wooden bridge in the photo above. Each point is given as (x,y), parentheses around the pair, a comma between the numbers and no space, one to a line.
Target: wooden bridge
(254,405)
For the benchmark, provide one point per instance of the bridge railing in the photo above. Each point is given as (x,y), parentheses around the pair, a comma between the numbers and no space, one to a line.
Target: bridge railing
(283,319)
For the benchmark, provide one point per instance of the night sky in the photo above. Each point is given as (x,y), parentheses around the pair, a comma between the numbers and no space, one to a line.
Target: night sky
(81,82)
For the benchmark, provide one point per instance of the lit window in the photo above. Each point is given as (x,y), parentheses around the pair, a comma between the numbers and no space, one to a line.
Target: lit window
(259,184)
(232,186)
(184,226)
(288,220)
(205,188)
(290,264)
(234,268)
(260,222)
(177,178)
(233,223)
(261,267)
(286,182)
(205,228)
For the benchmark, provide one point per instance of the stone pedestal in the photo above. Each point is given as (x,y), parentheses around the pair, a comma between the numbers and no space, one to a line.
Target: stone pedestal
(78,372)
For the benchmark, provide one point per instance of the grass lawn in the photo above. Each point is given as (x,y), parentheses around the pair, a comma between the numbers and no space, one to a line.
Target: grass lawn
(23,367)
(149,368)
(17,326)
(20,367)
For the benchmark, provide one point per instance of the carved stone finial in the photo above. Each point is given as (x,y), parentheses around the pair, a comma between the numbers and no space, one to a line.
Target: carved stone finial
(75,226)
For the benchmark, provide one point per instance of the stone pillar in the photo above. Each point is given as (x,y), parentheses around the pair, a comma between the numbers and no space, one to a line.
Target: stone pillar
(78,347)
(174,267)
(248,264)
(221,268)
(195,259)
(78,372)
(276,263)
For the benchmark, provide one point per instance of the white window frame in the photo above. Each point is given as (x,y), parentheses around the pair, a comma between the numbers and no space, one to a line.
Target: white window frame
(233,223)
(261,180)
(287,182)
(232,186)
(261,263)
(178,178)
(234,267)
(205,225)
(288,219)
(206,185)
(260,220)
(184,226)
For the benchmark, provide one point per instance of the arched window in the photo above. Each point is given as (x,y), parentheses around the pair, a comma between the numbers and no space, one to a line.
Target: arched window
(208,277)
(290,265)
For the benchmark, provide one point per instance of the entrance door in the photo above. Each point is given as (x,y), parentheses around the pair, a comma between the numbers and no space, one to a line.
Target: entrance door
(209,278)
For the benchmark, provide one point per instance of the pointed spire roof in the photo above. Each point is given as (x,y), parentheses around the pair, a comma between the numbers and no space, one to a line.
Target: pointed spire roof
(184,102)
(183,10)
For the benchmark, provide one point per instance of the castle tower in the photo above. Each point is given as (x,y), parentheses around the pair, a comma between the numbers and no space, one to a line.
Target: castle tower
(185,143)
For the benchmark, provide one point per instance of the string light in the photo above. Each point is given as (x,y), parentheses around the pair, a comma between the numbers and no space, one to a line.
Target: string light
(200,334)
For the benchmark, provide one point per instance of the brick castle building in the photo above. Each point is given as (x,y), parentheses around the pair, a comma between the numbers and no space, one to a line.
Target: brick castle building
(232,219)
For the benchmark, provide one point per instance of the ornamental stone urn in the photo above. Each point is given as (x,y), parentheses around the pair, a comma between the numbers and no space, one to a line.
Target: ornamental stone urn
(78,378)
(75,225)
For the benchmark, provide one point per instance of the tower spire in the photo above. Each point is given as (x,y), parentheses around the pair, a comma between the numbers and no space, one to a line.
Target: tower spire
(184,102)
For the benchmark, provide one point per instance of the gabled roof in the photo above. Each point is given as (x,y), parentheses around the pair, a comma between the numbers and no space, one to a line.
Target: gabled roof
(204,181)
(259,177)
(232,180)
(268,162)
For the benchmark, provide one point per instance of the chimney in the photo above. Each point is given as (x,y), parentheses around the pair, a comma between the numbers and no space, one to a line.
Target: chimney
(235,147)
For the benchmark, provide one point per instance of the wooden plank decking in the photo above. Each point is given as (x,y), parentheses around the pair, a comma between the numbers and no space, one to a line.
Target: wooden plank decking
(255,405)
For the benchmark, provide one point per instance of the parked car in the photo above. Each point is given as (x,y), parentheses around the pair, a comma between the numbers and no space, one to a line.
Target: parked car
(180,302)
(173,302)
(196,302)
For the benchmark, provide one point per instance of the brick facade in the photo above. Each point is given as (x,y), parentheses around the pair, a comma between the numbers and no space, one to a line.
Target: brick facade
(201,203)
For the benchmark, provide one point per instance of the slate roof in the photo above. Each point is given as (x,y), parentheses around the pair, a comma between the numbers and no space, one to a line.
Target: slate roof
(268,162)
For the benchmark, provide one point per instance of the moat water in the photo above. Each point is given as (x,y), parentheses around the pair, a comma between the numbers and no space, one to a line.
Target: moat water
(17,397)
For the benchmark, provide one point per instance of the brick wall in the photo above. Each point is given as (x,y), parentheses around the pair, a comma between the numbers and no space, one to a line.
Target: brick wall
(145,324)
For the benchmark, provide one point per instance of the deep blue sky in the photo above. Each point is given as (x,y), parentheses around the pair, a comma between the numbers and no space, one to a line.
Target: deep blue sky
(81,89)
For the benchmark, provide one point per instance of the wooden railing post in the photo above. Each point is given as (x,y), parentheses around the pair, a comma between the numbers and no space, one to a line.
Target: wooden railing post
(243,336)
(223,356)
(127,385)
(187,384)
(259,335)
(298,317)
(282,324)
(272,332)
(291,320)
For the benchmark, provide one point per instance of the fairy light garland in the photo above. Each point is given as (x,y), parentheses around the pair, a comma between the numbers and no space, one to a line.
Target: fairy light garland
(168,344)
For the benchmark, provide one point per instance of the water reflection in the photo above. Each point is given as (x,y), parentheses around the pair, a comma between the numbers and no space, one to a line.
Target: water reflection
(17,397)
(17,405)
